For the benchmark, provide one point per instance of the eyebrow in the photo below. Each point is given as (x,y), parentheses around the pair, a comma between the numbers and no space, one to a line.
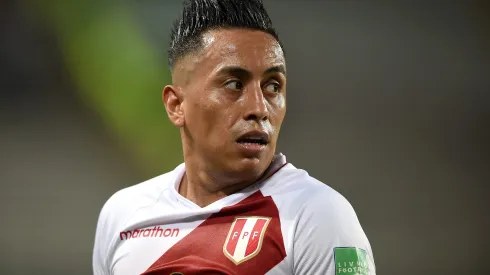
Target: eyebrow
(235,70)
(239,71)
(276,69)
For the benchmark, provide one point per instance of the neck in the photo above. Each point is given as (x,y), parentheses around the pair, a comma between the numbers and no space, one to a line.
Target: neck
(203,184)
(203,188)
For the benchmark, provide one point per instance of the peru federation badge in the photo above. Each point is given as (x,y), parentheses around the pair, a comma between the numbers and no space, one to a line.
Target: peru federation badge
(351,261)
(245,238)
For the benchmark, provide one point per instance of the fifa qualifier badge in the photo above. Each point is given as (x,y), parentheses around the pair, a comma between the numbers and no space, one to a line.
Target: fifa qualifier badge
(350,261)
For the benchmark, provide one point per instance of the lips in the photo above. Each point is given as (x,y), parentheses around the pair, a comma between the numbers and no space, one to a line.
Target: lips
(254,137)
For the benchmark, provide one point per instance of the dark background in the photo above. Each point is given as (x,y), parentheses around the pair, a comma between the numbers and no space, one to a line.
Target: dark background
(388,103)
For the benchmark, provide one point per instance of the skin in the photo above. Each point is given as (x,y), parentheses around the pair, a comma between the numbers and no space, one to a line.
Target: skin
(234,84)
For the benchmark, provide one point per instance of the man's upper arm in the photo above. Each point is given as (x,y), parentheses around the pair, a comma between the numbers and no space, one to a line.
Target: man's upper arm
(102,242)
(329,239)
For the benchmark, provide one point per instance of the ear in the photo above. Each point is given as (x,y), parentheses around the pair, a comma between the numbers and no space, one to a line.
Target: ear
(172,99)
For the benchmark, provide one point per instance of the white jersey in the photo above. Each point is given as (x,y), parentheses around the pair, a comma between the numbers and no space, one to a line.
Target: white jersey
(286,223)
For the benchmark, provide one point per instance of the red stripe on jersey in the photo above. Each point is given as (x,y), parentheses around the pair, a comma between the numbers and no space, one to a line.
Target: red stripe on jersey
(253,242)
(202,251)
(235,235)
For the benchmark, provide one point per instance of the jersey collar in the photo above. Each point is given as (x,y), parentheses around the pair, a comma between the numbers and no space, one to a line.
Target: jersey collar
(277,163)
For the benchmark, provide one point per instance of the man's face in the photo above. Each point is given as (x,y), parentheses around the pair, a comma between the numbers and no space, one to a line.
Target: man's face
(234,101)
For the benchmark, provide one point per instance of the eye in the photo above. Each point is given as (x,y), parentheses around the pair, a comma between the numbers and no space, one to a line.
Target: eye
(234,85)
(272,87)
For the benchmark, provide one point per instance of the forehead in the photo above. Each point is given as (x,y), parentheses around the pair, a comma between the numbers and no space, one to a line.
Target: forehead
(251,49)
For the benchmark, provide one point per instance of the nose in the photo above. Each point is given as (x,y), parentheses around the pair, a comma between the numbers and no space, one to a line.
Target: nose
(255,104)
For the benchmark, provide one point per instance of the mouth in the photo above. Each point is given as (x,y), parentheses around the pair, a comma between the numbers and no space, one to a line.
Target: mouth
(254,138)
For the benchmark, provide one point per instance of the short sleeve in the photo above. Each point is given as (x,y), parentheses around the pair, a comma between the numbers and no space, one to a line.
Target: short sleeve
(329,239)
(101,244)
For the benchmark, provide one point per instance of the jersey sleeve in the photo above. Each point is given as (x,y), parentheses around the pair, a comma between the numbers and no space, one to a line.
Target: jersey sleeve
(329,239)
(102,243)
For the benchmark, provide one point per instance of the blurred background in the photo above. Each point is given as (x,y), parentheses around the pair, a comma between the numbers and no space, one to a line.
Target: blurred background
(388,103)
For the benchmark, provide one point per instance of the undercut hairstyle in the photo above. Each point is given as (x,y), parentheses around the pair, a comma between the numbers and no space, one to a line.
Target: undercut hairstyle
(200,16)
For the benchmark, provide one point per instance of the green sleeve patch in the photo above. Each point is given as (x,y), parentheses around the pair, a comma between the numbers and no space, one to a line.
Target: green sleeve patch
(350,261)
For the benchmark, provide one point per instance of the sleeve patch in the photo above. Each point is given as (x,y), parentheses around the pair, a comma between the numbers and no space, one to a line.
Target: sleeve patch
(350,261)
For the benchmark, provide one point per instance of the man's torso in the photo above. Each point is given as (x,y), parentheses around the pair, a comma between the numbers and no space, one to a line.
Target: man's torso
(154,230)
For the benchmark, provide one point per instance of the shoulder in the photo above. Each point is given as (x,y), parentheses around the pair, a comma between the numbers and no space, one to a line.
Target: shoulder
(125,204)
(312,208)
(131,198)
(303,194)
(121,207)
(318,219)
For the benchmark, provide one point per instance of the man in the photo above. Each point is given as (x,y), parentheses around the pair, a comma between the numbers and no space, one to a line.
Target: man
(234,206)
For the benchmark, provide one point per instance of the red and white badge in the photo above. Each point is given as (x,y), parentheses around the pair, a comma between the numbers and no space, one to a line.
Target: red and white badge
(245,238)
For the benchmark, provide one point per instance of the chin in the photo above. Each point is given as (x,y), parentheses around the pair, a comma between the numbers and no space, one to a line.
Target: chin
(248,164)
(251,166)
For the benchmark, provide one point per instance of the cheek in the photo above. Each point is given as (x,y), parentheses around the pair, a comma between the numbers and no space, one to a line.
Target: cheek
(220,112)
(227,107)
(281,103)
(277,113)
(277,109)
(209,118)
(199,118)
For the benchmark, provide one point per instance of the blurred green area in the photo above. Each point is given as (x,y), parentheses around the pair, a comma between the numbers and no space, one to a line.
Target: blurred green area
(119,75)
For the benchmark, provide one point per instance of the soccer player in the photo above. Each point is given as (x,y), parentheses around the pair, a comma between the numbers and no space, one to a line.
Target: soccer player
(235,206)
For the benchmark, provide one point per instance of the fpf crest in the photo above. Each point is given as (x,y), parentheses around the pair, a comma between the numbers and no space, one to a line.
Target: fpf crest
(245,238)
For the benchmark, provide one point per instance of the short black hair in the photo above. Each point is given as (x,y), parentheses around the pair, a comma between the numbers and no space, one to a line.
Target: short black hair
(199,16)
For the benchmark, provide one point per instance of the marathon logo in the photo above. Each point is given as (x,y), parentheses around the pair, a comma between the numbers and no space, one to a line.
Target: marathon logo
(155,232)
